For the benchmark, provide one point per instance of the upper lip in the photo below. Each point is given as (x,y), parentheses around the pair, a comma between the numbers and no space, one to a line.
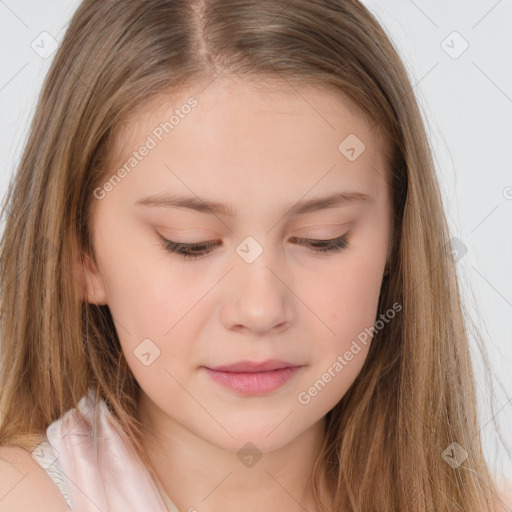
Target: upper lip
(254,366)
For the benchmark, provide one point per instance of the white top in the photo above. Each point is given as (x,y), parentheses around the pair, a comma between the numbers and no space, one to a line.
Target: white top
(95,466)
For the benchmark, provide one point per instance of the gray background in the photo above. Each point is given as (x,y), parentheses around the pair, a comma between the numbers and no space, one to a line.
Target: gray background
(466,99)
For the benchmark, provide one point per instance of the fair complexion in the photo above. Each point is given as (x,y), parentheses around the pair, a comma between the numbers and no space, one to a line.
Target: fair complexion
(260,152)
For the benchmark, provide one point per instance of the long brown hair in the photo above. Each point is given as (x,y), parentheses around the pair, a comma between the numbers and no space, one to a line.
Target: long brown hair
(415,395)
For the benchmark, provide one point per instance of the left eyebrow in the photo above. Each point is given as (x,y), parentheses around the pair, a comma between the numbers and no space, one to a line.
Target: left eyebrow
(214,207)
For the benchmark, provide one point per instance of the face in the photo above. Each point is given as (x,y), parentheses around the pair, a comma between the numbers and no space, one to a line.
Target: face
(259,282)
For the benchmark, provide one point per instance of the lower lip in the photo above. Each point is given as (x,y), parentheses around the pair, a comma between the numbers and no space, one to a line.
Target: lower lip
(256,383)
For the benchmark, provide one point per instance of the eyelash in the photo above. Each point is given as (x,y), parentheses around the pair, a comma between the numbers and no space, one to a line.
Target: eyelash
(194,251)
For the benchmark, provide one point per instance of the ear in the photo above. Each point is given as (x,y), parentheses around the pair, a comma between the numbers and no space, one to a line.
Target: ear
(88,280)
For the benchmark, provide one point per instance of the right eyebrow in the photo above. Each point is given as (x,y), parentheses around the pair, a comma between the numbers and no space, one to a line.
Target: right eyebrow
(215,207)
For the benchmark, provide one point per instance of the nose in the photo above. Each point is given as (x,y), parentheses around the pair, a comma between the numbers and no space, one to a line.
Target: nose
(259,300)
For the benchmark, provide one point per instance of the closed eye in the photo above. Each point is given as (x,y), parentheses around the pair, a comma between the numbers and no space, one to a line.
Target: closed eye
(193,251)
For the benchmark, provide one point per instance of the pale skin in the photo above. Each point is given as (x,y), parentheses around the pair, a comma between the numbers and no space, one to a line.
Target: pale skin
(260,153)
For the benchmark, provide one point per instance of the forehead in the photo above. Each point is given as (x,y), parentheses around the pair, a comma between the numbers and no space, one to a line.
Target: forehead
(231,101)
(259,134)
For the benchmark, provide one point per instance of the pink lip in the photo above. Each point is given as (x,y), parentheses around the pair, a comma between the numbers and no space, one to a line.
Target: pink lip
(253,378)
(254,366)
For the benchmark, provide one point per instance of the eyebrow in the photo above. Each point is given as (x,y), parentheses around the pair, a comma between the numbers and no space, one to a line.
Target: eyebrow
(214,207)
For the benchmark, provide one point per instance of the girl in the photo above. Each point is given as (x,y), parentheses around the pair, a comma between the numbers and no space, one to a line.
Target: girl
(227,277)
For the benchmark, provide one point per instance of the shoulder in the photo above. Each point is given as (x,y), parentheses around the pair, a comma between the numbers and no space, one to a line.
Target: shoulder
(25,485)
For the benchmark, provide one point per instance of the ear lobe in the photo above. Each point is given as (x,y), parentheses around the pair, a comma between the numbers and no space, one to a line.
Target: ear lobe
(89,283)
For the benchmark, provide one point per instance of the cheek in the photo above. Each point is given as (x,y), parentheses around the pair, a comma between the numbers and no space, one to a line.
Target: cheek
(346,298)
(144,292)
(345,301)
(160,315)
(346,305)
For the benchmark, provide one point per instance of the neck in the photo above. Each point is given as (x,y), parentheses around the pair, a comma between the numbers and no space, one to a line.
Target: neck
(198,475)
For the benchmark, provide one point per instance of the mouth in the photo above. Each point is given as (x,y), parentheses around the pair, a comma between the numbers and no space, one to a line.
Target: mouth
(254,378)
(254,366)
